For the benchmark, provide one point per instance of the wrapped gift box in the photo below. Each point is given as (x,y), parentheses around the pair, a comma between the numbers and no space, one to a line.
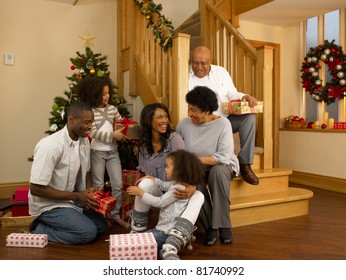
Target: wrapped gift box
(130,178)
(20,209)
(26,240)
(237,107)
(131,128)
(339,125)
(106,201)
(133,246)
(125,210)
(21,195)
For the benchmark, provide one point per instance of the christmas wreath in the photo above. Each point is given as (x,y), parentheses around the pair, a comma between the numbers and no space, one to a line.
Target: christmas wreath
(333,56)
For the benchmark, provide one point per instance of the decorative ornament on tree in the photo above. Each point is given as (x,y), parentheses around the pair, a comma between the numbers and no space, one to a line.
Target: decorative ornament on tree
(55,107)
(62,112)
(333,56)
(92,71)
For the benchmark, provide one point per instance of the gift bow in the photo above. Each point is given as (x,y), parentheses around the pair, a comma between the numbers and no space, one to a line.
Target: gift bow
(126,122)
(102,193)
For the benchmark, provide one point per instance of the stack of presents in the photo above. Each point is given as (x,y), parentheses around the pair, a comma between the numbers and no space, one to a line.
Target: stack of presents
(15,211)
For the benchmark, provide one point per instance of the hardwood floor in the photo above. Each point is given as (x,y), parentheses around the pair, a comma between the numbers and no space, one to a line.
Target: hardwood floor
(317,236)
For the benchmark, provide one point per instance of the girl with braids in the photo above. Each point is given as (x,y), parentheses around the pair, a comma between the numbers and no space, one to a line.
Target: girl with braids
(96,92)
(175,225)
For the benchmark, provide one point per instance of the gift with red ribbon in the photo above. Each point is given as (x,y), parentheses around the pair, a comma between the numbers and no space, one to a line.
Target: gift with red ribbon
(131,128)
(106,201)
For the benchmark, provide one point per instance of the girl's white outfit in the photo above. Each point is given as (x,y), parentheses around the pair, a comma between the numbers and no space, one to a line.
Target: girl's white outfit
(104,153)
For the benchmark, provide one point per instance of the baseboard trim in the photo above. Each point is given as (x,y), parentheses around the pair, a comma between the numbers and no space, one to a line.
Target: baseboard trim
(7,189)
(318,181)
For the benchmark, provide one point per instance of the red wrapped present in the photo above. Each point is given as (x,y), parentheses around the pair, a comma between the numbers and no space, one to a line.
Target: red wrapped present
(339,125)
(20,199)
(133,246)
(106,201)
(238,107)
(20,209)
(130,178)
(26,240)
(131,128)
(125,210)
(21,195)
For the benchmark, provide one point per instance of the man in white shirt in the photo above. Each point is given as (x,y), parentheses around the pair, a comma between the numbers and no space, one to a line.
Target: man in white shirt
(203,73)
(60,183)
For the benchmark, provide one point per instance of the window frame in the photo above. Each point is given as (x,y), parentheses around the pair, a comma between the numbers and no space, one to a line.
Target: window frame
(320,34)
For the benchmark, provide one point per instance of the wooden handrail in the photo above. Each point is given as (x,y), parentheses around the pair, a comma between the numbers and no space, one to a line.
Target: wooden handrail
(248,47)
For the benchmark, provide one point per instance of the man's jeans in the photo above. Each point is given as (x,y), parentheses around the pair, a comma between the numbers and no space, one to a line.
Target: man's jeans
(70,226)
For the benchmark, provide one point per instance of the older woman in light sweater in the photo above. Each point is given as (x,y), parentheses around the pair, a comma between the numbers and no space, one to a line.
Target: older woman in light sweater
(209,136)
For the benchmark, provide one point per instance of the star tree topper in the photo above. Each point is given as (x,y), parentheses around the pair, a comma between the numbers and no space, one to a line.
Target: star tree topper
(87,39)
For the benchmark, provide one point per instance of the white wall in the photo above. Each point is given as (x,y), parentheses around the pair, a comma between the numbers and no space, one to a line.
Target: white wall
(42,35)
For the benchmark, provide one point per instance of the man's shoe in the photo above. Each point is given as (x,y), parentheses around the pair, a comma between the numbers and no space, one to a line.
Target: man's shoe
(210,237)
(225,235)
(248,175)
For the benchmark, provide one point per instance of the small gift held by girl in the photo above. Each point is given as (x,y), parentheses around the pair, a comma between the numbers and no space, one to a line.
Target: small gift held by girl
(175,226)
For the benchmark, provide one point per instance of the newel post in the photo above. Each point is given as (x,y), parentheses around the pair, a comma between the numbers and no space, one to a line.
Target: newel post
(180,59)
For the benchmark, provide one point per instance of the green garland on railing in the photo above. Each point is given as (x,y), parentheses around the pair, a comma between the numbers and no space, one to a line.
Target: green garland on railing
(161,26)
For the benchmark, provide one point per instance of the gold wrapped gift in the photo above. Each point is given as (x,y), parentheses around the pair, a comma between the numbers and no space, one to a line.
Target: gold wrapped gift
(241,107)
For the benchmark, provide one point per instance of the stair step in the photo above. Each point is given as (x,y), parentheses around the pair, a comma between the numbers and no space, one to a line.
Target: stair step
(291,194)
(190,22)
(269,207)
(193,30)
(270,180)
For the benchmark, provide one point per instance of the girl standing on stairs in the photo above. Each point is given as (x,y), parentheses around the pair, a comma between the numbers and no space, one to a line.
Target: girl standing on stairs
(175,226)
(96,92)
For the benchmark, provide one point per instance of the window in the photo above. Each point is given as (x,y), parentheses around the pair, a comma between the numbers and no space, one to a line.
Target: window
(317,30)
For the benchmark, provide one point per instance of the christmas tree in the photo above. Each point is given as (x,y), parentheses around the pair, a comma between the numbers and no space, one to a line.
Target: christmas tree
(84,65)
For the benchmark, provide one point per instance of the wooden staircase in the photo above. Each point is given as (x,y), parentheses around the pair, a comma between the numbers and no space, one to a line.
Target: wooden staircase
(272,199)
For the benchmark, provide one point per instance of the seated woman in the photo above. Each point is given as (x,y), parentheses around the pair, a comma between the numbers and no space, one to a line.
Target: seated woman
(209,136)
(156,141)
